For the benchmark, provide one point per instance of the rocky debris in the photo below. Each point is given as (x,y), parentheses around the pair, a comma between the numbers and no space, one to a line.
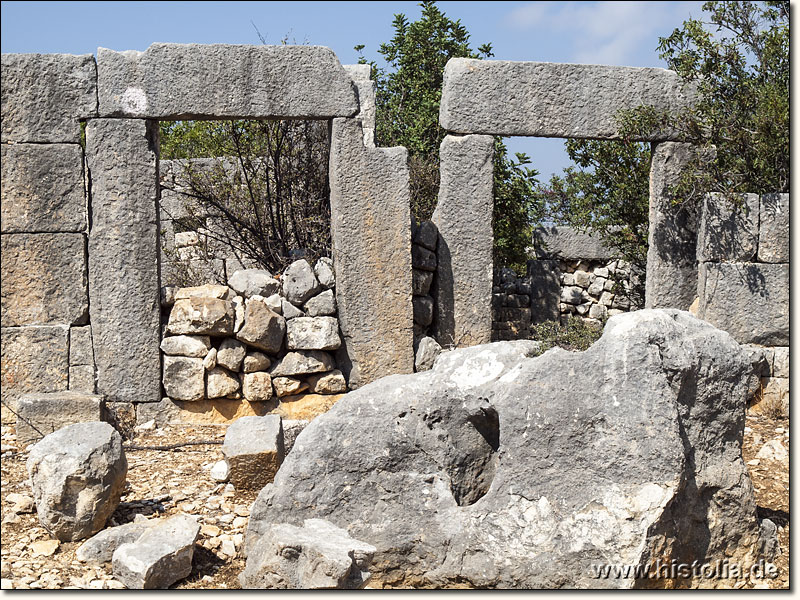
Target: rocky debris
(303,362)
(100,547)
(274,302)
(194,346)
(184,378)
(773,450)
(256,361)
(21,503)
(325,273)
(220,292)
(427,351)
(288,386)
(161,556)
(257,386)
(202,316)
(327,383)
(253,449)
(254,282)
(221,383)
(50,411)
(263,328)
(449,475)
(313,333)
(44,547)
(230,354)
(316,556)
(77,474)
(321,305)
(299,282)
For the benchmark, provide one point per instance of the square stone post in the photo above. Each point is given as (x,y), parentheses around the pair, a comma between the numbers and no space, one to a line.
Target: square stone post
(463,283)
(122,158)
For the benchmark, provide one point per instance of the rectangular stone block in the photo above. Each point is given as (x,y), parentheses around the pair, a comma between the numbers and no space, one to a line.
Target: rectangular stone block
(728,228)
(81,379)
(34,359)
(748,300)
(43,279)
(559,241)
(672,237)
(773,242)
(371,238)
(44,95)
(780,361)
(190,81)
(44,413)
(42,188)
(121,155)
(463,215)
(366,99)
(80,346)
(502,97)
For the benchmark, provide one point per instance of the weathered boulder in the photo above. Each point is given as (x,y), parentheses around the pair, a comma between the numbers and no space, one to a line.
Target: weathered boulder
(254,282)
(221,382)
(184,378)
(324,272)
(427,351)
(313,333)
(257,387)
(195,346)
(202,316)
(327,383)
(100,547)
(303,362)
(253,449)
(501,469)
(321,305)
(231,354)
(263,328)
(299,282)
(316,556)
(41,414)
(161,556)
(77,474)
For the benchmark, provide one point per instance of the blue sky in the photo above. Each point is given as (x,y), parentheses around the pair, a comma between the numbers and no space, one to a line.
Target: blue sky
(615,33)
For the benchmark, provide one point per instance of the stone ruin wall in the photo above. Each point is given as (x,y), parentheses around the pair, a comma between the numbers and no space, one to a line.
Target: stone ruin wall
(81,293)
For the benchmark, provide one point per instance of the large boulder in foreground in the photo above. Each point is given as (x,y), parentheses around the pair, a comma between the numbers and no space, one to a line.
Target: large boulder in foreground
(77,474)
(500,468)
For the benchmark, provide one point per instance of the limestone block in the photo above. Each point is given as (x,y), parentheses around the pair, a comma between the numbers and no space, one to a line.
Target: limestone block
(184,378)
(728,228)
(263,329)
(44,95)
(321,305)
(82,379)
(210,360)
(253,449)
(427,351)
(254,282)
(221,292)
(256,361)
(463,215)
(44,279)
(672,237)
(221,383)
(289,310)
(773,243)
(780,361)
(231,354)
(313,333)
(49,412)
(80,346)
(195,346)
(303,362)
(299,282)
(324,271)
(366,100)
(201,316)
(327,383)
(100,547)
(34,359)
(257,387)
(502,97)
(224,80)
(123,258)
(371,237)
(42,188)
(748,300)
(288,386)
(560,241)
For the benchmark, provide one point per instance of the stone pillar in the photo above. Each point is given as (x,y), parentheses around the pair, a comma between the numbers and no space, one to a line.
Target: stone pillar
(463,215)
(122,158)
(371,235)
(672,253)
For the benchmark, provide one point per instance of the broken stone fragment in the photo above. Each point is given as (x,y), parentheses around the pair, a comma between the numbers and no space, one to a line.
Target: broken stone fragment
(303,362)
(254,282)
(257,387)
(231,354)
(427,351)
(256,361)
(100,547)
(299,282)
(201,316)
(221,383)
(195,346)
(321,305)
(253,449)
(288,386)
(324,272)
(327,383)
(263,328)
(184,378)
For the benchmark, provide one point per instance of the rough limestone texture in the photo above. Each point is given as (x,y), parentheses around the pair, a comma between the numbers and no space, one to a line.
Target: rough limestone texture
(196,346)
(231,354)
(313,333)
(491,471)
(463,215)
(501,97)
(371,237)
(161,556)
(77,474)
(316,556)
(257,387)
(253,449)
(321,305)
(324,272)
(427,352)
(123,258)
(184,378)
(327,383)
(748,300)
(80,346)
(288,386)
(202,316)
(221,383)
(43,279)
(221,292)
(254,282)
(223,80)
(48,412)
(672,238)
(728,228)
(42,188)
(303,362)
(366,100)
(44,95)
(263,328)
(100,547)
(256,361)
(299,282)
(33,359)
(773,243)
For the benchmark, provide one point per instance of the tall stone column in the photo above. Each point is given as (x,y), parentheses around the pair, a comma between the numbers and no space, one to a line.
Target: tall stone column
(122,158)
(463,215)
(371,235)
(672,253)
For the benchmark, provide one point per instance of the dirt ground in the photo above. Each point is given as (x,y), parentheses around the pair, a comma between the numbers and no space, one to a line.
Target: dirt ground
(165,483)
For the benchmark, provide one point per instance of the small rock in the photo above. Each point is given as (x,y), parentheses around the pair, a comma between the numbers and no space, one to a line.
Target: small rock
(332,382)
(303,363)
(324,272)
(230,354)
(220,471)
(253,449)
(773,450)
(228,548)
(254,282)
(256,361)
(754,463)
(195,346)
(299,282)
(221,383)
(427,351)
(210,530)
(290,311)
(288,386)
(21,503)
(239,523)
(321,305)
(210,361)
(147,426)
(100,547)
(257,387)
(44,547)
